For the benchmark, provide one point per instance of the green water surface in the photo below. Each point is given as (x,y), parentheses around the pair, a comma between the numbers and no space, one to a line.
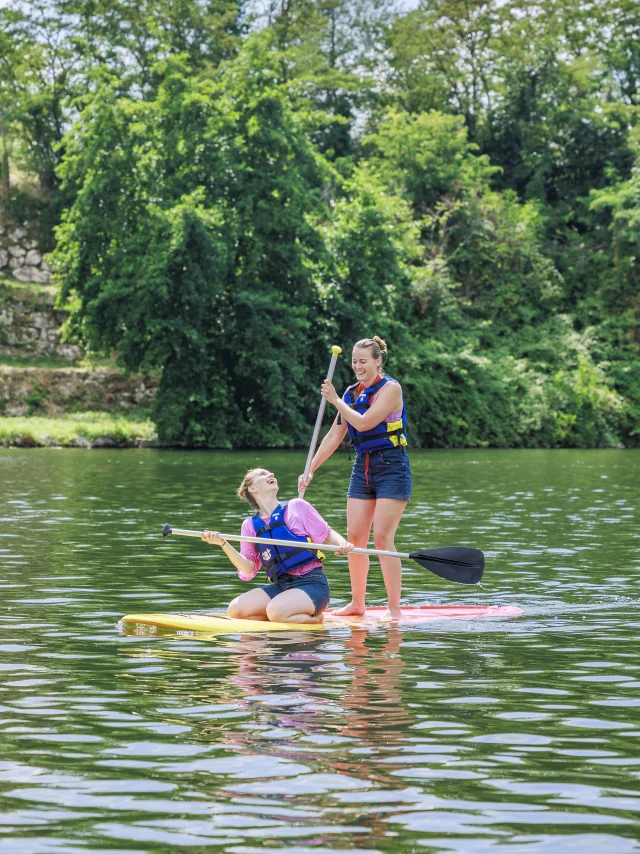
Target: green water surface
(516,736)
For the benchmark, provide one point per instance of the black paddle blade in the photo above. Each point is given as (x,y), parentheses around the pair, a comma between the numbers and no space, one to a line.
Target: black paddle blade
(455,563)
(166,530)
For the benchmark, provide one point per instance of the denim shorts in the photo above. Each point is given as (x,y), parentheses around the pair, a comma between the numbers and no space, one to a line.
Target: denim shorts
(387,475)
(314,584)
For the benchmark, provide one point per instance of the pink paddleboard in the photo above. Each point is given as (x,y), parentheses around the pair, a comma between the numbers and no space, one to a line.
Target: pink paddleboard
(426,613)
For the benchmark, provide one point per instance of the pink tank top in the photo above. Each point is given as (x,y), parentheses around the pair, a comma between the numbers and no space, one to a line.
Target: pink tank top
(392,416)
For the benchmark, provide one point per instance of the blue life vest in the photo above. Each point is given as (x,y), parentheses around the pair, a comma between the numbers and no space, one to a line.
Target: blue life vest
(278,560)
(387,434)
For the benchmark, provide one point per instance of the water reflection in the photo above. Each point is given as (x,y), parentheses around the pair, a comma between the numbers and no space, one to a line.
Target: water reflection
(359,743)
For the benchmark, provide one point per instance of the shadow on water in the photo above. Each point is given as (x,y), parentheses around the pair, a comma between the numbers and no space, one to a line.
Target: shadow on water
(508,736)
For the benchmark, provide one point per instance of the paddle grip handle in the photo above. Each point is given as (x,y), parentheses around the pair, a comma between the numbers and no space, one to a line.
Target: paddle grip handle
(335,352)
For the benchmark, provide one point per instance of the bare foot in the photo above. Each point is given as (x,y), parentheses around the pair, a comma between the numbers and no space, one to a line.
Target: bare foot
(301,619)
(392,614)
(349,610)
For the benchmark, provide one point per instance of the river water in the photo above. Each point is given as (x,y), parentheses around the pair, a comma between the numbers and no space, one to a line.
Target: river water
(519,736)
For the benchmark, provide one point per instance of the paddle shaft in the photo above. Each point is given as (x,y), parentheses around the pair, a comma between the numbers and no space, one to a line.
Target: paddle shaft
(312,546)
(335,352)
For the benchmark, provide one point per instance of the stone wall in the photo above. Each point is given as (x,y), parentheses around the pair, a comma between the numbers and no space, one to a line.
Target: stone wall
(20,257)
(30,326)
(54,391)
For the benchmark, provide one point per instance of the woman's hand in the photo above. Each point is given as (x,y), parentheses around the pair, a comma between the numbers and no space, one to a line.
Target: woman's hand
(302,483)
(329,393)
(344,549)
(213,538)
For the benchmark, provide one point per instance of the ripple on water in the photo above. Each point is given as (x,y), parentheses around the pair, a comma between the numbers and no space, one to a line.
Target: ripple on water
(513,736)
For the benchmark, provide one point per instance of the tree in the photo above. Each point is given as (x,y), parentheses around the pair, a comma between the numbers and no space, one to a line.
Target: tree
(189,245)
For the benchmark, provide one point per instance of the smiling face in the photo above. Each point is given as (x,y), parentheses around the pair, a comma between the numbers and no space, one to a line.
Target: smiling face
(365,367)
(263,483)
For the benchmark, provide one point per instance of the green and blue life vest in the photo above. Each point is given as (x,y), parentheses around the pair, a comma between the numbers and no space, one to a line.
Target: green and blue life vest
(387,434)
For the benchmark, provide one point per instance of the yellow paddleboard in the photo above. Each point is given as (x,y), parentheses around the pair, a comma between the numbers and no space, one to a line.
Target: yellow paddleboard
(214,623)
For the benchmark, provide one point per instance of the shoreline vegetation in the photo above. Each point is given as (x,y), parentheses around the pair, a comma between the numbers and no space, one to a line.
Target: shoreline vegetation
(78,430)
(263,181)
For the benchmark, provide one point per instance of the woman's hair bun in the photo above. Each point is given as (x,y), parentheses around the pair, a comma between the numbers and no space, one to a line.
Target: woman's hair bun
(381,344)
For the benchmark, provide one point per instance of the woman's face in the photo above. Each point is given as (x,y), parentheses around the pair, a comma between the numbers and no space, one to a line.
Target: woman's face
(263,482)
(365,367)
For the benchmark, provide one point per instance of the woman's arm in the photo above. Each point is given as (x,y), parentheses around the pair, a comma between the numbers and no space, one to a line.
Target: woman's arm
(329,444)
(333,538)
(389,400)
(244,566)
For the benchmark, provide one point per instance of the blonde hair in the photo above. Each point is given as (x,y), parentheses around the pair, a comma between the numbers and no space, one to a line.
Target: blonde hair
(377,346)
(243,490)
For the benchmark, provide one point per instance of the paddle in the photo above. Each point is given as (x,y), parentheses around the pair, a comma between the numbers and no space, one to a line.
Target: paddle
(454,563)
(335,351)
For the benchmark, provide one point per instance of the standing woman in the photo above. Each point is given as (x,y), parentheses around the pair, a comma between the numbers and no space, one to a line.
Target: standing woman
(372,411)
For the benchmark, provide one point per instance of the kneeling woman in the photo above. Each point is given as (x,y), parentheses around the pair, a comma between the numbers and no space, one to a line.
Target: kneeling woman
(298,591)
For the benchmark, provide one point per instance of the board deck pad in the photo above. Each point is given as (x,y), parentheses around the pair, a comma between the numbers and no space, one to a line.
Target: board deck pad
(221,623)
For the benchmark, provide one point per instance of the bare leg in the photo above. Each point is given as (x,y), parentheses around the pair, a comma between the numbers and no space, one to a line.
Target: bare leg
(359,518)
(386,519)
(251,605)
(292,606)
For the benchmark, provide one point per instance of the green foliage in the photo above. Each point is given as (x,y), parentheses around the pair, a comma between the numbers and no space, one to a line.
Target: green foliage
(428,156)
(482,257)
(622,200)
(188,246)
(239,193)
(369,242)
(53,53)
(472,398)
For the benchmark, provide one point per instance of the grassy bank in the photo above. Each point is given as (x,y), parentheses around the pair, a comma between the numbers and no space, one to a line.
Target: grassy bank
(44,361)
(78,430)
(30,292)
